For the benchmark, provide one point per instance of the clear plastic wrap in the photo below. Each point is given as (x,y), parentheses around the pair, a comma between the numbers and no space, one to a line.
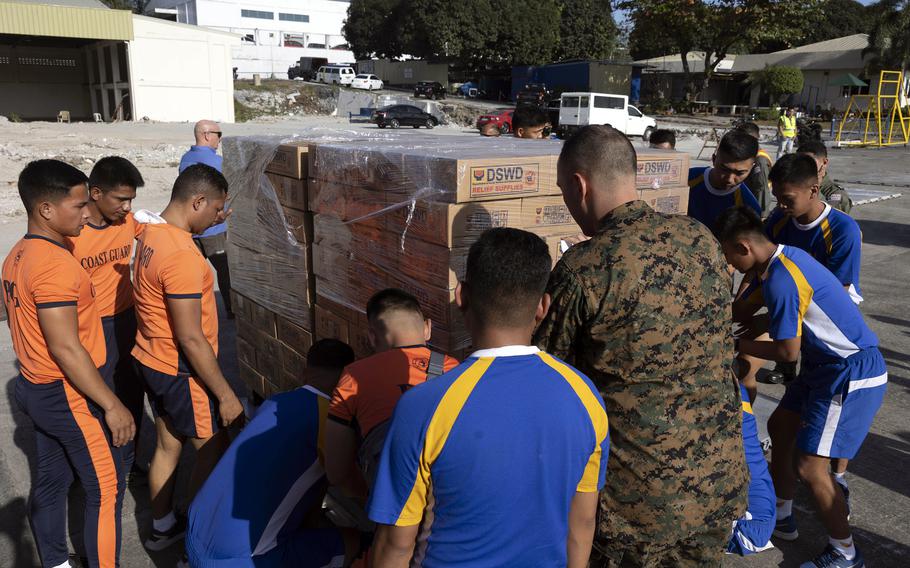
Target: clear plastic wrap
(388,210)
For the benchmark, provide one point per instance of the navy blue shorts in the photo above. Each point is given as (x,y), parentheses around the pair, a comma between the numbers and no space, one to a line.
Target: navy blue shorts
(837,402)
(184,400)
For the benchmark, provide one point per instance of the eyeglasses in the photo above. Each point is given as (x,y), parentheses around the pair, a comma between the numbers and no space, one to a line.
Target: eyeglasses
(218,132)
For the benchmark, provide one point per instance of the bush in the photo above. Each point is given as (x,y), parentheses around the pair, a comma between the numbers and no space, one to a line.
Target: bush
(778,81)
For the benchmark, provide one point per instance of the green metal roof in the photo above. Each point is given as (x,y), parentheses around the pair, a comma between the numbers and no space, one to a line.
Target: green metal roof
(30,19)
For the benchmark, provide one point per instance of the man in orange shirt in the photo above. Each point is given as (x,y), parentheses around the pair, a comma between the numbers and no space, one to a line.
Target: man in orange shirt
(104,248)
(177,343)
(365,397)
(80,425)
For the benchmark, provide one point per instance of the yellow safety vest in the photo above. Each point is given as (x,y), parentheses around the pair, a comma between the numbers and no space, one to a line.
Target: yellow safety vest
(789,126)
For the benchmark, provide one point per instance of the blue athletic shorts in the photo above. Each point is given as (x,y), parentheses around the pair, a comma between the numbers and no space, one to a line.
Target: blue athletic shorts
(184,400)
(308,548)
(837,402)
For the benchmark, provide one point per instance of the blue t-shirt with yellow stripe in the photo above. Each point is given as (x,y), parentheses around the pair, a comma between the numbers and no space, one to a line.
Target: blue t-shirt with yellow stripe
(834,239)
(707,203)
(489,455)
(806,300)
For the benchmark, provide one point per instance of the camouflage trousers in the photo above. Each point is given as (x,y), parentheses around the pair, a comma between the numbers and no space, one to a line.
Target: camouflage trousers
(700,550)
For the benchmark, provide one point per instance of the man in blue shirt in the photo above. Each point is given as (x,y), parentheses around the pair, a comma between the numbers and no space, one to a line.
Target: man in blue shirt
(828,410)
(715,189)
(499,461)
(258,507)
(212,242)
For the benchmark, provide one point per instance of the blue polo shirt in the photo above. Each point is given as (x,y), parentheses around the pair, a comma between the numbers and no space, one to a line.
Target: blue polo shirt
(806,300)
(489,456)
(208,156)
(706,203)
(834,239)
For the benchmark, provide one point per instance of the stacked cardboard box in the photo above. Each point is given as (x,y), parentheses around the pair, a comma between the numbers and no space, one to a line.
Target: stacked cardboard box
(270,255)
(330,224)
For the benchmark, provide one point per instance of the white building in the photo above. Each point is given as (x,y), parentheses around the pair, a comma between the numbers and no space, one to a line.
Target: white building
(275,33)
(85,60)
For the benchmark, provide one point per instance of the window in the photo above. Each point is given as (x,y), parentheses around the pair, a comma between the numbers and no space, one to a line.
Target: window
(293,17)
(609,102)
(570,102)
(257,14)
(583,101)
(248,38)
(634,111)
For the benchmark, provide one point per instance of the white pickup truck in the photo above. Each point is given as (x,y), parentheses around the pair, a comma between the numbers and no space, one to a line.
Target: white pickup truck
(581,109)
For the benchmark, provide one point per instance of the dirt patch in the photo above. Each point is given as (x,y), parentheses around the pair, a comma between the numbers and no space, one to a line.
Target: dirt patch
(282,98)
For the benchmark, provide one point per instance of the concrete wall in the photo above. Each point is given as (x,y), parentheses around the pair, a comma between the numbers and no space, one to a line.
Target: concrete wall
(38,82)
(180,72)
(405,73)
(273,61)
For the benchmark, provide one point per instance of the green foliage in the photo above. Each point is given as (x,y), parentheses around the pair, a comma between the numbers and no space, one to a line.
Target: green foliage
(243,113)
(373,28)
(889,37)
(715,27)
(528,31)
(440,30)
(586,30)
(778,81)
(135,6)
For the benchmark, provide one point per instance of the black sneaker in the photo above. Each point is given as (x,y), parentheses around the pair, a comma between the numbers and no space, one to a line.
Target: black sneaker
(163,539)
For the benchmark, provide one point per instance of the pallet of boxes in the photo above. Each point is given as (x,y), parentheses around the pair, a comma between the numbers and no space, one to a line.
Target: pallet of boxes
(382,214)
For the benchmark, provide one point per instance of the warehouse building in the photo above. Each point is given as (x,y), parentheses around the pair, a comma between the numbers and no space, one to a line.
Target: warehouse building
(80,60)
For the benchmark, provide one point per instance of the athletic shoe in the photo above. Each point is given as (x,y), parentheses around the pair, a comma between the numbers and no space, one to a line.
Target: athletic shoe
(846,490)
(163,539)
(831,558)
(786,528)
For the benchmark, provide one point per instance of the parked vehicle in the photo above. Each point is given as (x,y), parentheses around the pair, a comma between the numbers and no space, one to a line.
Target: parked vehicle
(316,45)
(581,109)
(396,116)
(533,95)
(429,89)
(553,112)
(366,81)
(335,74)
(502,119)
(306,68)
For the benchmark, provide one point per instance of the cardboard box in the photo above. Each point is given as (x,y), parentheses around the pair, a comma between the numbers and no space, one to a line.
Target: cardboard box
(547,215)
(331,326)
(268,358)
(246,353)
(240,305)
(453,225)
(290,160)
(673,200)
(300,224)
(291,192)
(251,378)
(661,168)
(262,319)
(295,336)
(290,361)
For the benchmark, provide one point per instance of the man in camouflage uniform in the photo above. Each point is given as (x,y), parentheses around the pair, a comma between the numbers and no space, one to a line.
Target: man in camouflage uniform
(757,181)
(643,308)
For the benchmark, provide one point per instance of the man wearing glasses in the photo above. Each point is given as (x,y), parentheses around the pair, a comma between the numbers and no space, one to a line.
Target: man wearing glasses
(212,242)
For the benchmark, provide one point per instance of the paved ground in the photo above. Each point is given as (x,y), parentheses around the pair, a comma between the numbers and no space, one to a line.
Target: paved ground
(878,476)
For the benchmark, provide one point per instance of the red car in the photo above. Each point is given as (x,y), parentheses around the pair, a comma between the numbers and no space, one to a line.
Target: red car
(502,118)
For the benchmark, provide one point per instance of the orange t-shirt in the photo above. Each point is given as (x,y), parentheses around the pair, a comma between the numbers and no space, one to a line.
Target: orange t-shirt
(167,264)
(104,252)
(40,273)
(370,388)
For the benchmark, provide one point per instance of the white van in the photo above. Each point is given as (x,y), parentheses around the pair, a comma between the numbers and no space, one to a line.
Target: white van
(581,109)
(335,74)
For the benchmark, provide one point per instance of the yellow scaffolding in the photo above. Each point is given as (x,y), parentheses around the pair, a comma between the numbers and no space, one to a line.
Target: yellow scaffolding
(880,115)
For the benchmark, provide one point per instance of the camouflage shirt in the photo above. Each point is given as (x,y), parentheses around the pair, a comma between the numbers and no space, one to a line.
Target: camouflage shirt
(757,182)
(835,195)
(643,308)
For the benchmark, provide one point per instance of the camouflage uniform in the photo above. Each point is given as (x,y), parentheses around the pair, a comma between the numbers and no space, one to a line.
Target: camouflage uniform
(835,195)
(643,308)
(758,184)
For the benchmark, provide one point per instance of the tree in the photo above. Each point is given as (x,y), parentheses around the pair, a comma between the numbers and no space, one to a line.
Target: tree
(586,30)
(136,6)
(717,26)
(778,81)
(460,32)
(889,38)
(371,28)
(528,32)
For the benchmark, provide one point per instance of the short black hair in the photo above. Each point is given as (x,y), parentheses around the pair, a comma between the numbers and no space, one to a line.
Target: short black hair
(392,299)
(736,222)
(794,168)
(663,136)
(738,145)
(113,171)
(47,180)
(751,129)
(330,354)
(528,117)
(599,151)
(196,179)
(815,147)
(505,277)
